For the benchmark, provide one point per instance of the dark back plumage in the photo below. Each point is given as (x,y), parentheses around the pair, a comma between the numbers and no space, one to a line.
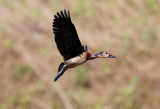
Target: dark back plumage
(66,36)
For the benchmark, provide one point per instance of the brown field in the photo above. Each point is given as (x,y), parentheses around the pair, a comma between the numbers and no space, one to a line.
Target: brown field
(128,29)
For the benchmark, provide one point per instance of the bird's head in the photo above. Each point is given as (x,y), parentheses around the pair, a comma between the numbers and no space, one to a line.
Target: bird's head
(104,55)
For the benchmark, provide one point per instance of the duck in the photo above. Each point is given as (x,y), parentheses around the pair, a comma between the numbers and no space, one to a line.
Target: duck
(69,45)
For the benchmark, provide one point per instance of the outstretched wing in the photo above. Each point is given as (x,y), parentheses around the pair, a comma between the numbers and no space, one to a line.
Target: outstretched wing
(66,36)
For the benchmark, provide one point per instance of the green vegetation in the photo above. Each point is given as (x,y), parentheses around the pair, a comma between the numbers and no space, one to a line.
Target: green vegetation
(45,50)
(81,77)
(37,89)
(8,44)
(151,3)
(98,106)
(22,70)
(85,7)
(22,101)
(78,104)
(56,105)
(128,98)
(2,2)
(122,103)
(107,69)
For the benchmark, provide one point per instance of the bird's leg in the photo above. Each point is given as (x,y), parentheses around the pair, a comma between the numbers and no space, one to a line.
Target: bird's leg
(60,73)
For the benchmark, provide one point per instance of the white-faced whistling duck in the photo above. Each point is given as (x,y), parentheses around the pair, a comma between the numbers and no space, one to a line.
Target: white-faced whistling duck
(69,44)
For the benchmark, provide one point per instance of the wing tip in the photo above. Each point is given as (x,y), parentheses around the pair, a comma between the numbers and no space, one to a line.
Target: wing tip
(62,15)
(65,15)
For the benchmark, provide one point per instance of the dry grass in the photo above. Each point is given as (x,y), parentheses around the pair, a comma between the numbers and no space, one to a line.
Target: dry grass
(128,29)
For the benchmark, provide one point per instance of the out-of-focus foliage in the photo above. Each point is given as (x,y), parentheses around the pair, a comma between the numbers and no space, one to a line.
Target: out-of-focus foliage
(128,29)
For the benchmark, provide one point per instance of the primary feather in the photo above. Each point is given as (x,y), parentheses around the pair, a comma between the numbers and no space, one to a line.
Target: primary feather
(66,36)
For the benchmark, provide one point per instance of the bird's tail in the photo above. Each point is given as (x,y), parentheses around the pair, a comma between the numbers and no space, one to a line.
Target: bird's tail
(60,66)
(61,71)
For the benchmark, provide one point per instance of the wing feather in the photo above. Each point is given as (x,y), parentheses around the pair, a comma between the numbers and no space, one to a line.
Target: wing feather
(66,36)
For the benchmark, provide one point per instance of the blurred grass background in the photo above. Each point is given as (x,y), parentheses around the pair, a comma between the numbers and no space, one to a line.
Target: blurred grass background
(128,29)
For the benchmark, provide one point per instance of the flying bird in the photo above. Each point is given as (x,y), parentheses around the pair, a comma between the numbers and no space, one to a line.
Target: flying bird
(69,45)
